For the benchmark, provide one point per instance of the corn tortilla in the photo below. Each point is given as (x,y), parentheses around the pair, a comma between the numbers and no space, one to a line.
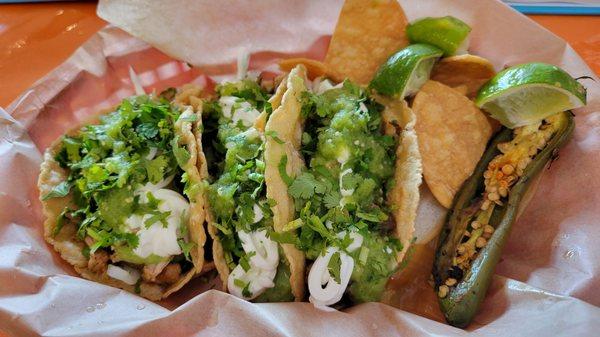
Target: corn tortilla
(70,247)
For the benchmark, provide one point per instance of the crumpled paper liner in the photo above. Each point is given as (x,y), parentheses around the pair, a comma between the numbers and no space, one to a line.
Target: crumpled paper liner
(546,282)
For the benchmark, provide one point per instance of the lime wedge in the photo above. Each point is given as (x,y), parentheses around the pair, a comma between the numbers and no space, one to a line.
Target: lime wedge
(447,33)
(527,93)
(406,71)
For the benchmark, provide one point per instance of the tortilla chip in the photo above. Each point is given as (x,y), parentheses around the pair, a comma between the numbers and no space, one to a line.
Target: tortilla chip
(286,123)
(70,247)
(463,89)
(399,121)
(368,32)
(470,70)
(314,68)
(453,134)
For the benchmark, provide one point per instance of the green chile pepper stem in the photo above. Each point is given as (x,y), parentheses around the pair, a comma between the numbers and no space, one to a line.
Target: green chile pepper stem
(462,302)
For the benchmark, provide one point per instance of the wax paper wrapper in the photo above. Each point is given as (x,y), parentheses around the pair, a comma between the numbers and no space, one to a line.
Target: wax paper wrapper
(546,283)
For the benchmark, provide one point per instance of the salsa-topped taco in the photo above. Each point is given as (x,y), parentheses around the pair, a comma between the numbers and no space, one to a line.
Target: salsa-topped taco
(351,210)
(121,198)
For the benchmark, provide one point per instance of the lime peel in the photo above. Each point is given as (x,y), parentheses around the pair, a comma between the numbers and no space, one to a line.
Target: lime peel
(447,33)
(406,71)
(527,93)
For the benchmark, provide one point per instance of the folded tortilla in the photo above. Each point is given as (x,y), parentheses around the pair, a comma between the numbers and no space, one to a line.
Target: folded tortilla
(70,247)
(286,123)
(283,209)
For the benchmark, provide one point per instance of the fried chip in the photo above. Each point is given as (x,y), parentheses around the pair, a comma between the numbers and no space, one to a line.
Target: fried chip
(469,70)
(452,134)
(314,68)
(368,32)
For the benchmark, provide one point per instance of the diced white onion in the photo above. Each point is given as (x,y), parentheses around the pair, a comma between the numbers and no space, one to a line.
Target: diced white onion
(263,265)
(243,111)
(158,239)
(126,274)
(258,213)
(324,290)
(357,240)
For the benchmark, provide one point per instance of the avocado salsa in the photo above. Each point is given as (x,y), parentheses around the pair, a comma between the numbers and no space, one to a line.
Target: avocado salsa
(237,196)
(342,192)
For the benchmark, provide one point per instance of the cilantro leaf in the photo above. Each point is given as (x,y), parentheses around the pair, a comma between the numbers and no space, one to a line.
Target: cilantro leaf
(59,191)
(283,172)
(334,266)
(332,199)
(293,225)
(156,168)
(186,248)
(273,134)
(60,221)
(156,217)
(306,185)
(376,215)
(147,130)
(182,155)
(317,225)
(285,237)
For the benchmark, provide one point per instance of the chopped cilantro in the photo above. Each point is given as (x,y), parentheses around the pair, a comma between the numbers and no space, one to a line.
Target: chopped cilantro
(182,155)
(60,221)
(283,171)
(156,168)
(275,137)
(59,191)
(106,164)
(158,217)
(334,267)
(147,130)
(305,186)
(186,248)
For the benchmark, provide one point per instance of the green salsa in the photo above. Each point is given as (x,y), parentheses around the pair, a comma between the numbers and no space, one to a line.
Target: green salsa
(343,189)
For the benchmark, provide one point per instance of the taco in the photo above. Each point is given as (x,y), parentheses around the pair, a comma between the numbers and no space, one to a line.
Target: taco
(243,210)
(351,210)
(121,198)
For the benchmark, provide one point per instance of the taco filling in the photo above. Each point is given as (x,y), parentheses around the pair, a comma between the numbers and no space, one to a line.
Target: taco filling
(345,225)
(253,266)
(129,195)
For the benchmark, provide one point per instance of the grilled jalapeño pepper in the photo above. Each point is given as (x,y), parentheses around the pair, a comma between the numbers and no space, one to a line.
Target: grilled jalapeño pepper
(479,222)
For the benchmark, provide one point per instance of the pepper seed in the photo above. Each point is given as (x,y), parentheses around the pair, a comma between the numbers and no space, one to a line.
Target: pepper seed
(493,196)
(503,191)
(508,169)
(450,282)
(475,224)
(481,242)
(443,291)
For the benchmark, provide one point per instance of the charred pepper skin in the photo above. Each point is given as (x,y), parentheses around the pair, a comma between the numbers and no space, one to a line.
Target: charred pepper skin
(462,301)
